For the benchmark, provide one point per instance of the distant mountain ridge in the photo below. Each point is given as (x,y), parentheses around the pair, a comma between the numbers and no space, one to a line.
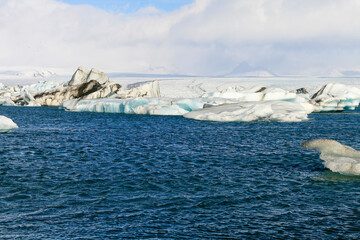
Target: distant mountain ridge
(345,73)
(244,69)
(145,75)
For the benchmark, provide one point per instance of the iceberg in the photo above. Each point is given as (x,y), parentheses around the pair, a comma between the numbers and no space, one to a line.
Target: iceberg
(149,106)
(57,96)
(23,95)
(215,99)
(83,75)
(336,97)
(29,100)
(231,104)
(280,111)
(337,157)
(92,84)
(83,84)
(6,124)
(6,102)
(224,106)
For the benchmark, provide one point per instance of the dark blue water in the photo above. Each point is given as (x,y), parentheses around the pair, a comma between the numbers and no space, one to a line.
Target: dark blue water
(68,175)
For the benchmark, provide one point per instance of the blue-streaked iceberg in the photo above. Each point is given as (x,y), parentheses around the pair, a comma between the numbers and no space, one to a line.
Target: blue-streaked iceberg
(7,124)
(149,106)
(41,86)
(226,106)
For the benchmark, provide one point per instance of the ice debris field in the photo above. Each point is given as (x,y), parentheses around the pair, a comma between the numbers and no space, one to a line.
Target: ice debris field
(209,99)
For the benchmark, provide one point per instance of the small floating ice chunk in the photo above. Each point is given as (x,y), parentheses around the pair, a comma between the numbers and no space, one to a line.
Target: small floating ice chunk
(337,157)
(279,111)
(7,124)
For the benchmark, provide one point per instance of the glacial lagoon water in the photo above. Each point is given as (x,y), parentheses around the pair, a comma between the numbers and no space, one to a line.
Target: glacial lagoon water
(73,175)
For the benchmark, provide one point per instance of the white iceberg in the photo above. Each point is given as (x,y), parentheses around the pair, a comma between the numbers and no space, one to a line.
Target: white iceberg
(279,111)
(337,157)
(7,124)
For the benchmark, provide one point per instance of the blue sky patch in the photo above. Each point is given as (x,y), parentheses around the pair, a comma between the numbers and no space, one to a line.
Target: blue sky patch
(128,6)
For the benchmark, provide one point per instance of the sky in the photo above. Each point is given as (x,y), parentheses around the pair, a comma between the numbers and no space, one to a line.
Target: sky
(130,6)
(199,37)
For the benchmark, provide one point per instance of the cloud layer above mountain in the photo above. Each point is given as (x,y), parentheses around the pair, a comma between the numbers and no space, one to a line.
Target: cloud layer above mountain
(205,37)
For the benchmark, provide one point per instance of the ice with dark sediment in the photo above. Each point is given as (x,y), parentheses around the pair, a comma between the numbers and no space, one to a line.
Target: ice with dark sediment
(336,97)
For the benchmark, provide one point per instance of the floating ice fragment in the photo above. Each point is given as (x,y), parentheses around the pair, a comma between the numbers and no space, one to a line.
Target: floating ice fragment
(7,124)
(337,157)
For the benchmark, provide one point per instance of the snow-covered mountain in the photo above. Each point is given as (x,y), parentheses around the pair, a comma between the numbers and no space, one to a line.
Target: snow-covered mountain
(246,70)
(30,75)
(27,73)
(345,73)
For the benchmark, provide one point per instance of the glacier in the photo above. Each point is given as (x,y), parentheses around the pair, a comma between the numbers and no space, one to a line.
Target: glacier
(6,124)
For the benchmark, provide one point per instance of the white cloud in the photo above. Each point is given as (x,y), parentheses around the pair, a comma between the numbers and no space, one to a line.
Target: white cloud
(206,37)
